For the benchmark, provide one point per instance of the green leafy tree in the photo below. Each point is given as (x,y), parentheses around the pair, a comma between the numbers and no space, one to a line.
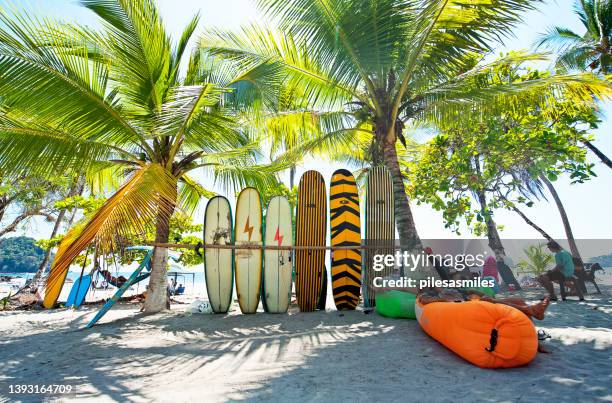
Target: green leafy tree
(28,196)
(501,161)
(113,103)
(19,255)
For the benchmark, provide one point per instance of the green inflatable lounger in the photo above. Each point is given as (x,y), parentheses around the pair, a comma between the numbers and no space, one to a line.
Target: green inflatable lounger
(396,304)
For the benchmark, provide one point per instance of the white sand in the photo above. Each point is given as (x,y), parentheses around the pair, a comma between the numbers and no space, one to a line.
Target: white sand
(323,356)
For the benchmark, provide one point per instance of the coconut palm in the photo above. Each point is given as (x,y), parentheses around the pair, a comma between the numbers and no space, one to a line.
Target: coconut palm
(537,262)
(112,102)
(593,49)
(386,63)
(590,51)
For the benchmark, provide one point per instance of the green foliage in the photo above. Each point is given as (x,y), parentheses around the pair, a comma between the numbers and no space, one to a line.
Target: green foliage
(279,189)
(500,157)
(29,195)
(182,230)
(20,255)
(87,204)
(191,257)
(537,262)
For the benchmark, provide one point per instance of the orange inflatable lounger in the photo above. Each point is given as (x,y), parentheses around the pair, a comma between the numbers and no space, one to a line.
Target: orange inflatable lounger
(485,334)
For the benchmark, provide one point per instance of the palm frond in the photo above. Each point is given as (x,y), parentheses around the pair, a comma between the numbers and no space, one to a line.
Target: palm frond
(285,60)
(29,147)
(149,194)
(139,48)
(49,77)
(190,194)
(179,51)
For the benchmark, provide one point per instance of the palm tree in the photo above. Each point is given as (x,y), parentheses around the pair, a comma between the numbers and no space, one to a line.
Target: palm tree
(386,63)
(537,262)
(114,104)
(590,51)
(593,49)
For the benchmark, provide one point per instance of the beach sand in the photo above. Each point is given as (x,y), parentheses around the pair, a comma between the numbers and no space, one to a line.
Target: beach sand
(322,356)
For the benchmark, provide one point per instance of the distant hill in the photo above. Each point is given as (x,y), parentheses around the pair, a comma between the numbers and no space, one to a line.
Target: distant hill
(604,260)
(20,255)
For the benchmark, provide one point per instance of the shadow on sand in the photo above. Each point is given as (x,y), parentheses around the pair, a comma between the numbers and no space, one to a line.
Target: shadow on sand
(322,356)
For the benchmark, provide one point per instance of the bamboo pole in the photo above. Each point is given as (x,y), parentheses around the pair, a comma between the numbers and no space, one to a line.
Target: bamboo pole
(272,247)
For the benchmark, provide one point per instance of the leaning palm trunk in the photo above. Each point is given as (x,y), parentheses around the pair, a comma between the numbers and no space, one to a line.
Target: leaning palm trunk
(43,265)
(157,294)
(292,177)
(531,223)
(77,188)
(566,224)
(603,157)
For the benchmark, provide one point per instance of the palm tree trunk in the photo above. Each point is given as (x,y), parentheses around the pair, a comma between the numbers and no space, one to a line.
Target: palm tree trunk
(292,177)
(43,265)
(566,224)
(409,238)
(531,223)
(603,157)
(157,293)
(77,188)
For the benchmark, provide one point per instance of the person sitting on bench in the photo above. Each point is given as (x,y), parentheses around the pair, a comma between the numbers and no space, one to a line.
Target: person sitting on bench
(562,272)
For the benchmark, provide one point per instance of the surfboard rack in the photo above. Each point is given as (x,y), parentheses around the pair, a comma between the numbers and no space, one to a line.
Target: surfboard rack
(273,247)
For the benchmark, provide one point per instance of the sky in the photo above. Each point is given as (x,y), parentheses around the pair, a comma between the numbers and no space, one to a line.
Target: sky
(587,204)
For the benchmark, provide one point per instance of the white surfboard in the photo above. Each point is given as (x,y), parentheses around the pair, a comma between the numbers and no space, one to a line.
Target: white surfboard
(277,263)
(218,263)
(248,262)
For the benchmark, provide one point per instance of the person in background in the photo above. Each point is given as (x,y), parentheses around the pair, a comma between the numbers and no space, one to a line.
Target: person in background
(442,271)
(563,270)
(430,295)
(490,268)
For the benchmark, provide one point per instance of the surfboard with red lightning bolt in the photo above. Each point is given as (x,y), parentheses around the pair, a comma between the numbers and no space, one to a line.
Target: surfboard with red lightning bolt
(345,229)
(311,223)
(277,278)
(248,262)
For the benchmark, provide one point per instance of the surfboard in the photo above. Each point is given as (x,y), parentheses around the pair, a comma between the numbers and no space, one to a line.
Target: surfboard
(310,231)
(218,263)
(380,227)
(136,276)
(277,263)
(78,291)
(345,230)
(248,262)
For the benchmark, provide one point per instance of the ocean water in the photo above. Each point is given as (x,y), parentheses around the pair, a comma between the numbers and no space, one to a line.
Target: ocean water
(194,283)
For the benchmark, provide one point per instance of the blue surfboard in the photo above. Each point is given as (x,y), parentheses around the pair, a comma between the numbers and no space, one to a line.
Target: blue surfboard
(136,277)
(79,291)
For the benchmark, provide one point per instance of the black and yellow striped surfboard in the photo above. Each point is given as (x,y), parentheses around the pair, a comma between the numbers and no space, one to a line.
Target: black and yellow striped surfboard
(380,227)
(311,224)
(345,229)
